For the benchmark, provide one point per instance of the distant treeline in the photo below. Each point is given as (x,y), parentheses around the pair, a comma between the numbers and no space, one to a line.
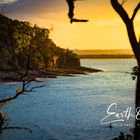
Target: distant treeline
(104,52)
(105,56)
(19,40)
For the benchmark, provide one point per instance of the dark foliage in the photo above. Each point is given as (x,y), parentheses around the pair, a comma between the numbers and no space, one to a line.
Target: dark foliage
(16,38)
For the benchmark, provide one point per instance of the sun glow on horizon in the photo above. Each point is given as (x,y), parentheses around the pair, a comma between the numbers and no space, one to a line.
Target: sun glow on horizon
(105,30)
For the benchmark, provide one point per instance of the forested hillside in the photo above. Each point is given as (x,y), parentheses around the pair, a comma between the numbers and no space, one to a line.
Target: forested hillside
(19,40)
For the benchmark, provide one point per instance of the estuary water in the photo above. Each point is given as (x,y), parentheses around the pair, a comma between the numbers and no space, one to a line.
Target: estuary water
(71,108)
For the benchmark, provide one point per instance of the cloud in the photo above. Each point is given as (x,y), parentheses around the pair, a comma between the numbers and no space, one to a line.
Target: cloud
(26,6)
(7,1)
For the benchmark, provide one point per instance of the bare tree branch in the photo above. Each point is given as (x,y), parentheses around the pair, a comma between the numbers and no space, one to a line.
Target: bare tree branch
(4,122)
(71,12)
(33,88)
(15,127)
(135,11)
(25,88)
(78,20)
(120,10)
(129,25)
(1,120)
(25,83)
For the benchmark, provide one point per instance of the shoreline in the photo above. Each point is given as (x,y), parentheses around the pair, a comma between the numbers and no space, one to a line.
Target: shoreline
(106,56)
(13,76)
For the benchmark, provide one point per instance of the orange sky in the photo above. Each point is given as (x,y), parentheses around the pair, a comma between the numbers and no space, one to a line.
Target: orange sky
(105,30)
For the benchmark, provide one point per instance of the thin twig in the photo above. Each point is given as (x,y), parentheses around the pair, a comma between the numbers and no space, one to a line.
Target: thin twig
(30,90)
(22,128)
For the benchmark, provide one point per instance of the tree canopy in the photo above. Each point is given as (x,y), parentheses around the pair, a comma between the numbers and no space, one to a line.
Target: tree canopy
(20,39)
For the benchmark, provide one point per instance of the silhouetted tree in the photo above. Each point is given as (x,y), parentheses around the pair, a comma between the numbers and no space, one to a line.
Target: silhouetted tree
(135,44)
(25,88)
(21,41)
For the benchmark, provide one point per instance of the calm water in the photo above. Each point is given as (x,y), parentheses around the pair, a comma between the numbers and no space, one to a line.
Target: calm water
(71,108)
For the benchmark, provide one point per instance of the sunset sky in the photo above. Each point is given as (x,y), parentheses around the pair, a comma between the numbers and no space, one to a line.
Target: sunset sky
(105,29)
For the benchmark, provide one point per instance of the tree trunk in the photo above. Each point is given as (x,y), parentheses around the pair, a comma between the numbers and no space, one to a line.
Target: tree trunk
(136,49)
(137,105)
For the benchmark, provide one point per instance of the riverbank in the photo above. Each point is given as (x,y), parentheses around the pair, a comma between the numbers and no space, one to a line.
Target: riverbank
(10,76)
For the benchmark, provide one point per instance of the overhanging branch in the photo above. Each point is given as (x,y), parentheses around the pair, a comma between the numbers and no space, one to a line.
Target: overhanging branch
(129,25)
(20,128)
(25,88)
(71,12)
(120,10)
(135,11)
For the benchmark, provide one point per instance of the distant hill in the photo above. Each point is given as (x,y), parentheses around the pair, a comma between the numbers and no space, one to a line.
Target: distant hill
(104,54)
(19,40)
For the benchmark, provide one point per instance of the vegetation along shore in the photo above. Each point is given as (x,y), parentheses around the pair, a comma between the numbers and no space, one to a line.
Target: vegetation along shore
(22,43)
